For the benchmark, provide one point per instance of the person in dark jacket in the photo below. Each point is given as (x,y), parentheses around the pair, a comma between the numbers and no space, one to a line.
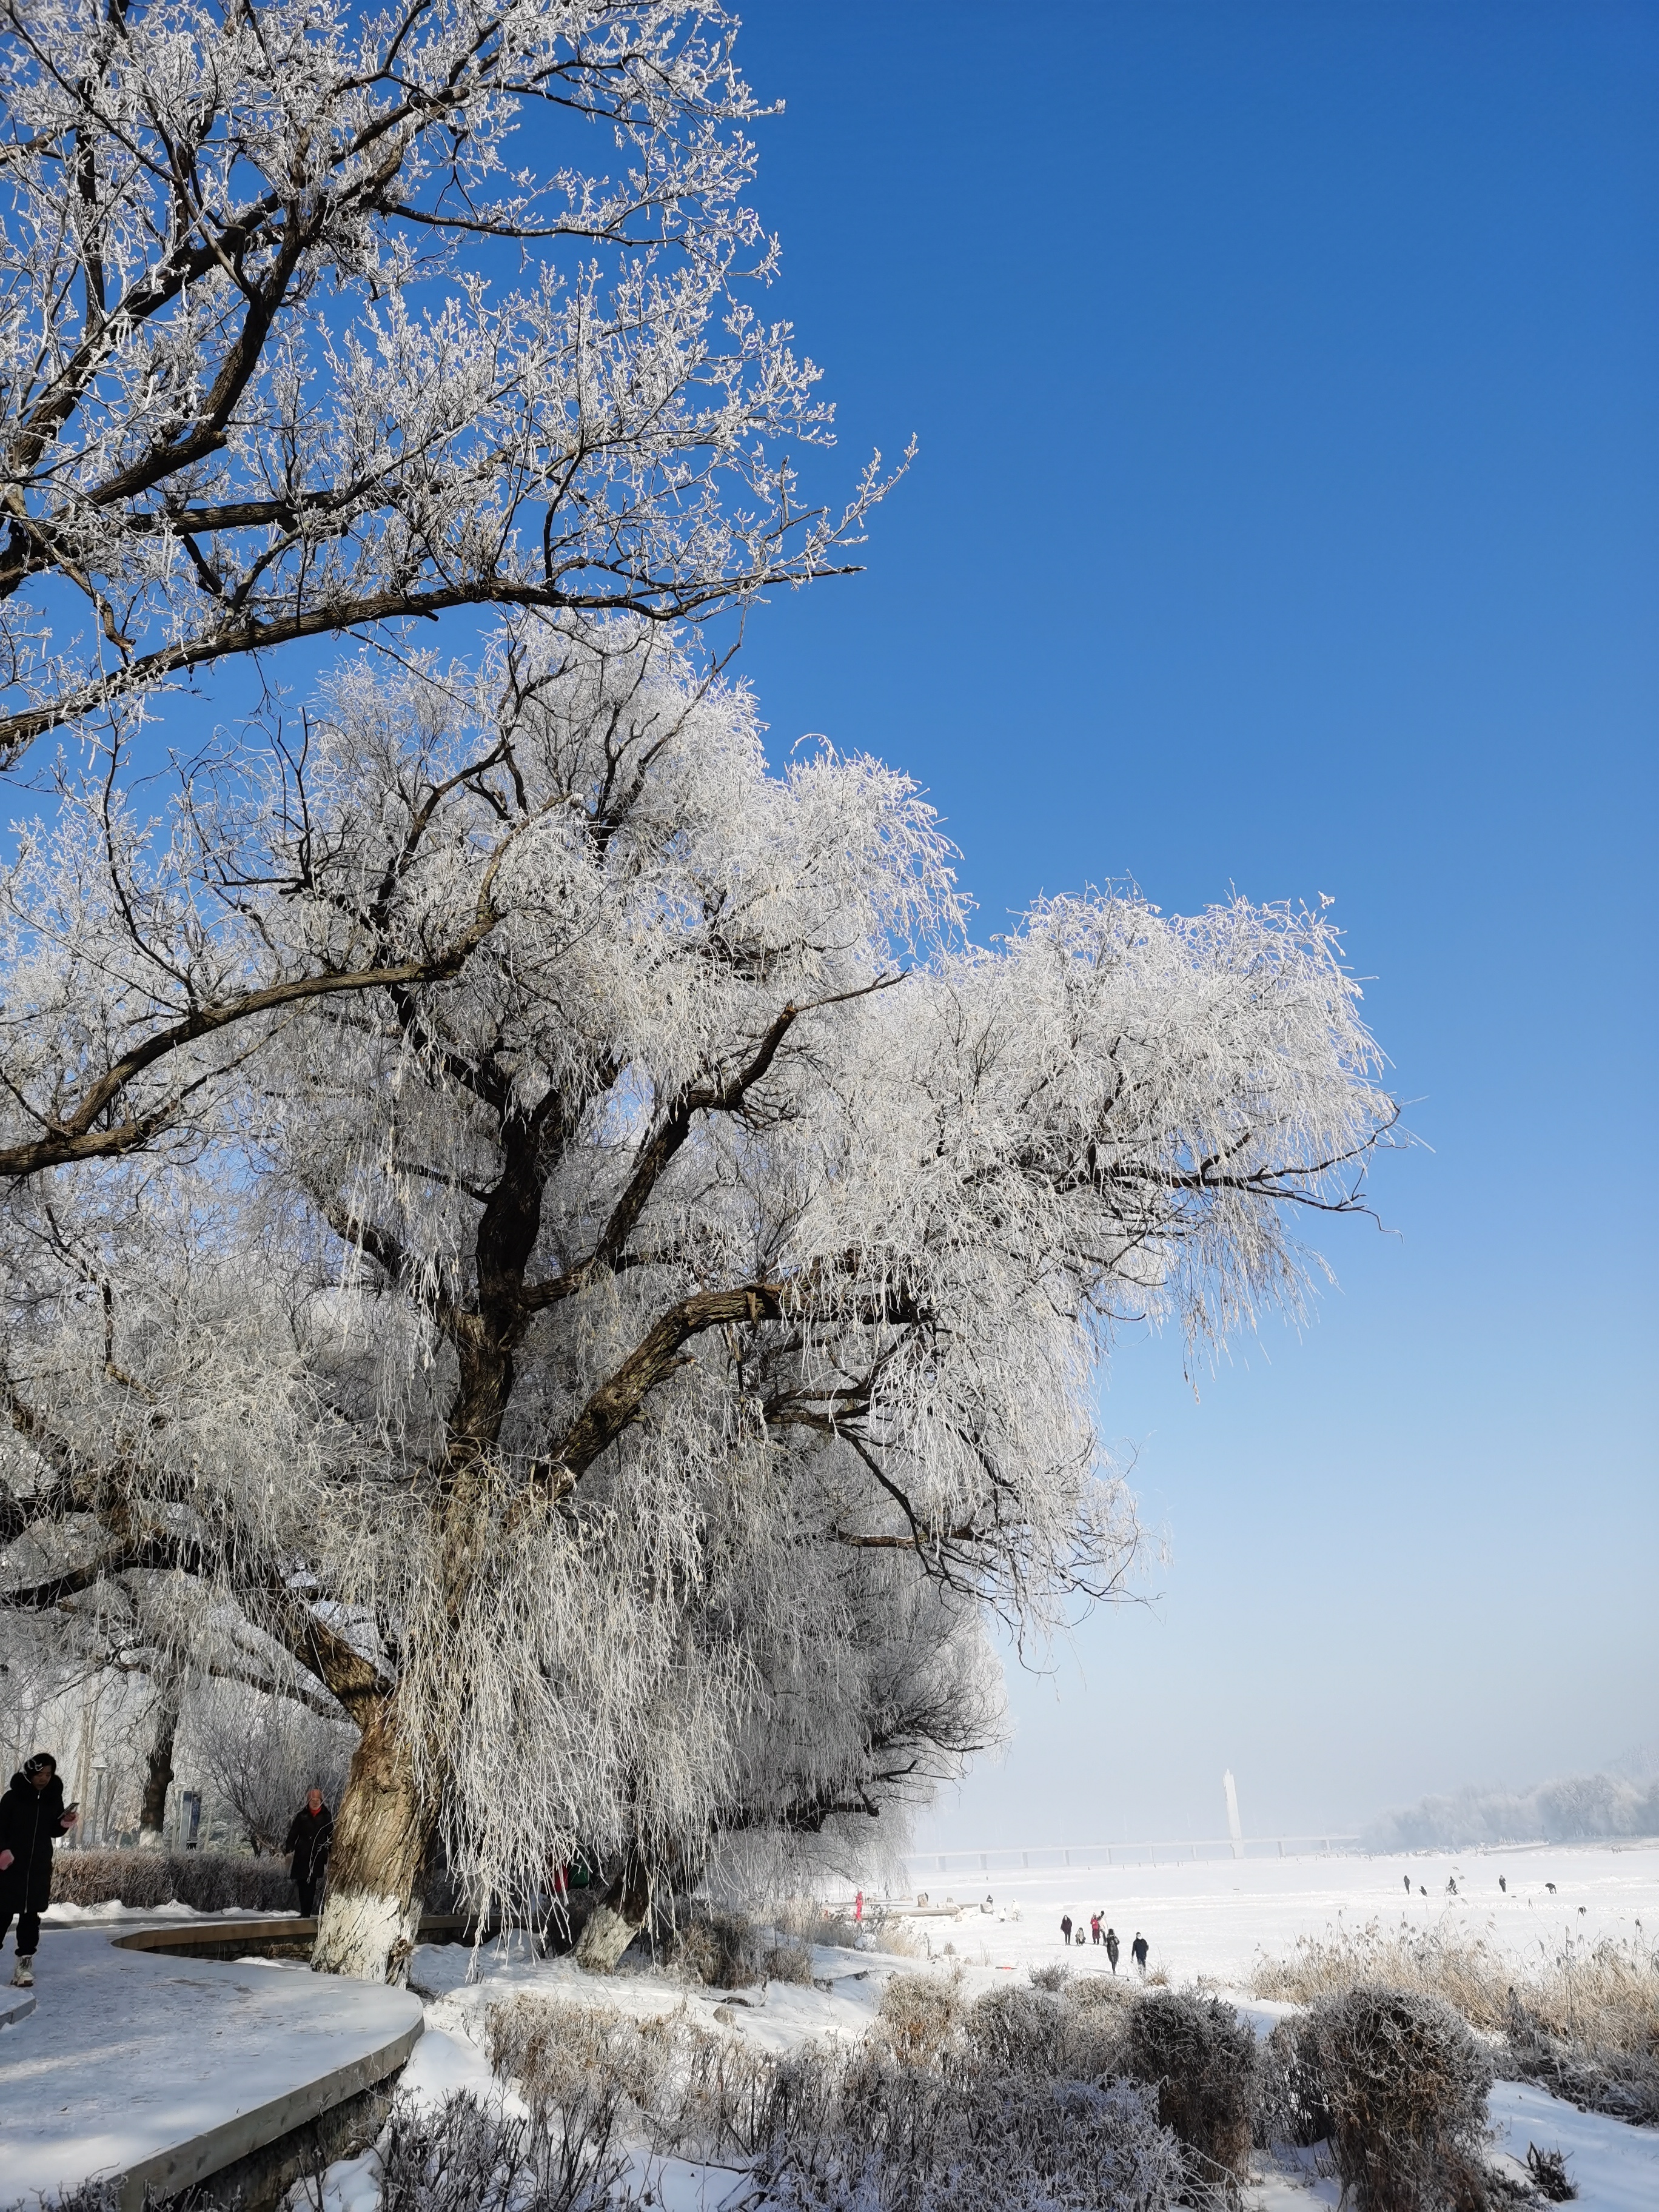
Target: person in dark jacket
(1066,1928)
(33,1816)
(1111,1947)
(1138,1947)
(308,1837)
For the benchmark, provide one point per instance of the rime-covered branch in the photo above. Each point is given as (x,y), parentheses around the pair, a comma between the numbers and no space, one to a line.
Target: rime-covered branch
(261,381)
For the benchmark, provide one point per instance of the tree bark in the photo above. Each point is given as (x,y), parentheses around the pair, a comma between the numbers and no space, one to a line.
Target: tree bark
(377,1866)
(616,1920)
(153,1813)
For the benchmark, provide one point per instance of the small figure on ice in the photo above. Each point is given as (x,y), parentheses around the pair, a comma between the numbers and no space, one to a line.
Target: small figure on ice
(1066,1928)
(1139,1949)
(1112,1946)
(309,1834)
(33,1816)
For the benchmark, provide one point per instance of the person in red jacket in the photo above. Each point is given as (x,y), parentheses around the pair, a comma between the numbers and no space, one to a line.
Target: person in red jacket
(33,1816)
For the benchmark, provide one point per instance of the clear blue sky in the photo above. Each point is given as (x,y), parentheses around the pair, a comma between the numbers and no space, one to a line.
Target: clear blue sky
(1286,378)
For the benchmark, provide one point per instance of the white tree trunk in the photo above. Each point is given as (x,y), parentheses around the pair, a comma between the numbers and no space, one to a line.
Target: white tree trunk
(366,1936)
(371,1911)
(614,1923)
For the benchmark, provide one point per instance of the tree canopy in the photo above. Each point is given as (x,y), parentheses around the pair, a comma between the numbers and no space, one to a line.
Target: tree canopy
(629,1367)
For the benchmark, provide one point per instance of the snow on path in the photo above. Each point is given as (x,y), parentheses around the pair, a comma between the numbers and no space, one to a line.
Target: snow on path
(131,2052)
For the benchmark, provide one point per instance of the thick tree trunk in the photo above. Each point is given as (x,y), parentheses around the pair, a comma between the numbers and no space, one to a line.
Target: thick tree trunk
(153,1813)
(616,1920)
(383,1835)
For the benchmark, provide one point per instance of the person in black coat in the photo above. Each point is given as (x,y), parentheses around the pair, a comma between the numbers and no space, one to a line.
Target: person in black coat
(1111,1947)
(33,1816)
(308,1836)
(1139,1948)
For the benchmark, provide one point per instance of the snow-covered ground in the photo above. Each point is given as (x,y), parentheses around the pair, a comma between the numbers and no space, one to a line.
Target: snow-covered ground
(1214,1918)
(128,2053)
(121,2038)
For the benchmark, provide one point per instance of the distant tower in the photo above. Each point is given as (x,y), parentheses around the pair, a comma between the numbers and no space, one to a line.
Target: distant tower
(1233,1828)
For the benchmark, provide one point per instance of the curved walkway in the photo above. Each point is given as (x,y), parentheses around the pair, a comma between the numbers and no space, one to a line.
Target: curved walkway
(161,2070)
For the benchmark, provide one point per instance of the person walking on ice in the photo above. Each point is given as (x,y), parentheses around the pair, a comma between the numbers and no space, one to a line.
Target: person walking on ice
(1066,1928)
(33,1816)
(1139,1948)
(308,1836)
(1111,1947)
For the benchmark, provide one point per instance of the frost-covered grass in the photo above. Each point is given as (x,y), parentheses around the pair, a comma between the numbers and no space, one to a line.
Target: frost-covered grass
(1016,2097)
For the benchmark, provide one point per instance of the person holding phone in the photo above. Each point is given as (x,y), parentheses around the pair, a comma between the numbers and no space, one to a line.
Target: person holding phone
(33,1816)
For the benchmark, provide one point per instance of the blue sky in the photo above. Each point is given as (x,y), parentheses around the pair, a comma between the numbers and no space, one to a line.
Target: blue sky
(1285,382)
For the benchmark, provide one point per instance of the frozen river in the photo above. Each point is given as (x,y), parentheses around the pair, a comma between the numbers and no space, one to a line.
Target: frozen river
(1213,1918)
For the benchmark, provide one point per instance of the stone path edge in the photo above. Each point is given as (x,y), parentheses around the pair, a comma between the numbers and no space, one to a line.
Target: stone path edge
(199,2157)
(183,2165)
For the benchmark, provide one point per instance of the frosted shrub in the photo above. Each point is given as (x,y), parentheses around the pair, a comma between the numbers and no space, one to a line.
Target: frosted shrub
(1586,2022)
(895,2138)
(920,2017)
(919,2117)
(1015,2031)
(718,1946)
(787,1962)
(211,1881)
(1200,2059)
(464,2155)
(1052,1977)
(1406,2085)
(1290,2104)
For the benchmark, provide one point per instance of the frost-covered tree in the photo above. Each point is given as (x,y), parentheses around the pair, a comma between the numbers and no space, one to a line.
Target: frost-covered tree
(628,1369)
(318,317)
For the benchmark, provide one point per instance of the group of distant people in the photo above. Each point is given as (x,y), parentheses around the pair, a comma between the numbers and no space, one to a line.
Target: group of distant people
(1071,1932)
(34,1820)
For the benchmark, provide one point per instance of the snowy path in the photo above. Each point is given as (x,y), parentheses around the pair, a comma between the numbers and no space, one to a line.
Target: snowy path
(129,2054)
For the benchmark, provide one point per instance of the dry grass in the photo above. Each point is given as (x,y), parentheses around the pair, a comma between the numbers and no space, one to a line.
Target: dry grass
(1585,2022)
(1015,2103)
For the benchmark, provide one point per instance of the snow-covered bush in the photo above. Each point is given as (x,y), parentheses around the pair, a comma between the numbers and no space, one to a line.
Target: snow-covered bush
(1405,2085)
(1291,2106)
(869,2132)
(1585,2022)
(920,2017)
(468,2154)
(1202,2059)
(788,1961)
(718,1946)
